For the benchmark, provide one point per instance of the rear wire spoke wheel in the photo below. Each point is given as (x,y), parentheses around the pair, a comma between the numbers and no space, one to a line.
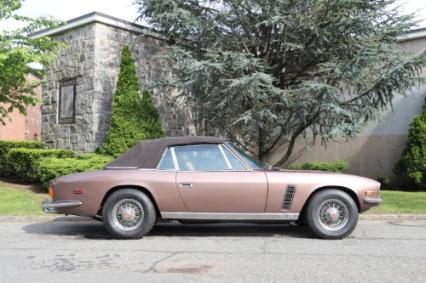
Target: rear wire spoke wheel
(128,214)
(331,214)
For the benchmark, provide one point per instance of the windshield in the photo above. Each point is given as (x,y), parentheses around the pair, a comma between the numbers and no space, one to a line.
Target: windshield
(253,163)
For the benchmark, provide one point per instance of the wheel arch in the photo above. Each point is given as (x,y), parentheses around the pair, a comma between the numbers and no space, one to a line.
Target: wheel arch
(135,187)
(350,192)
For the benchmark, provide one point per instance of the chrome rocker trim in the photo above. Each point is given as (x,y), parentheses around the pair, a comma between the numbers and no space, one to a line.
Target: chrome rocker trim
(51,206)
(230,216)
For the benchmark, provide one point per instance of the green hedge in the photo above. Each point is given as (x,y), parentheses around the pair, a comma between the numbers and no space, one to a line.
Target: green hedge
(27,161)
(53,167)
(336,166)
(6,146)
(23,162)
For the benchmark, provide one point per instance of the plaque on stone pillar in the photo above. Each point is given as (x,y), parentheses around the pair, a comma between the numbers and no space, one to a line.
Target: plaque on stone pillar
(67,102)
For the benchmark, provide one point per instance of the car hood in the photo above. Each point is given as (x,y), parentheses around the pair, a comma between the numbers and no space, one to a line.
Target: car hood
(322,178)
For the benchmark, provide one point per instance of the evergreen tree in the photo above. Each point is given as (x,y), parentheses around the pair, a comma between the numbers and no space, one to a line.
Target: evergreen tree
(413,160)
(269,72)
(134,116)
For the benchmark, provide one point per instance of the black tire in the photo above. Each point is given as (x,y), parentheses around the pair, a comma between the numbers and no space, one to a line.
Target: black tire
(346,204)
(137,198)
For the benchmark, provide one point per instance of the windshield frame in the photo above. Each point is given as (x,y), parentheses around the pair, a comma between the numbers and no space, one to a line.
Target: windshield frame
(251,162)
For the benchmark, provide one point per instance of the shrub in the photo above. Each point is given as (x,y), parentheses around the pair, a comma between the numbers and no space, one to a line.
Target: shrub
(336,166)
(134,117)
(412,163)
(23,162)
(385,181)
(5,146)
(52,167)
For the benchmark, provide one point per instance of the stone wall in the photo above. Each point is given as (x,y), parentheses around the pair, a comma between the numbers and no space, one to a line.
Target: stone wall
(91,56)
(75,60)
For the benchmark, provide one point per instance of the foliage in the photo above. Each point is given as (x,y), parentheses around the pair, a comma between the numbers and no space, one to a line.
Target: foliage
(272,71)
(52,167)
(134,117)
(412,163)
(385,182)
(26,161)
(17,52)
(336,166)
(15,201)
(5,146)
(23,162)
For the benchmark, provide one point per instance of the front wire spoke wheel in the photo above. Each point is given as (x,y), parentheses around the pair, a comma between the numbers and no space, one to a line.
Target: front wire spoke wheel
(333,214)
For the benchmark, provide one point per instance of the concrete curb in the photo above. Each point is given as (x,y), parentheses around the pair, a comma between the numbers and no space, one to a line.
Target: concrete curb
(59,218)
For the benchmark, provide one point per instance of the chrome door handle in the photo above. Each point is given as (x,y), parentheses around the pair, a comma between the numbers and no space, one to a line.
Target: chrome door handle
(185,185)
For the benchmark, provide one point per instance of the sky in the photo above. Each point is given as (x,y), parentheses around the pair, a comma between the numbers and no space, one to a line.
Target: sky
(124,9)
(69,9)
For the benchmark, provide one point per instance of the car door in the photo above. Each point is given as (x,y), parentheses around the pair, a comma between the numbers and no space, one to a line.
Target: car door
(211,179)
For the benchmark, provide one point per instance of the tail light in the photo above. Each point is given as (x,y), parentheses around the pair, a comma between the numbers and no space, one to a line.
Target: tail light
(51,192)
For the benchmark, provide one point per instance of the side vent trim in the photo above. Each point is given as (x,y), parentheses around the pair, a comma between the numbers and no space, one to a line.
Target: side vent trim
(288,197)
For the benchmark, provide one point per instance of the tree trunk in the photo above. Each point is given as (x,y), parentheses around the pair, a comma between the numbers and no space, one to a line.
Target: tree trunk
(288,152)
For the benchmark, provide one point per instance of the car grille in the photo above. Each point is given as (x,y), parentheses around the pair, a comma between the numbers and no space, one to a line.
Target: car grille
(288,197)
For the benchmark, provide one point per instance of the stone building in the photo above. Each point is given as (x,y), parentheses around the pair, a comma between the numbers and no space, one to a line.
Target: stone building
(81,81)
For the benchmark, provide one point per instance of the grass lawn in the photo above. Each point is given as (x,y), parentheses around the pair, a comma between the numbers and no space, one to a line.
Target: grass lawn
(25,200)
(17,201)
(401,202)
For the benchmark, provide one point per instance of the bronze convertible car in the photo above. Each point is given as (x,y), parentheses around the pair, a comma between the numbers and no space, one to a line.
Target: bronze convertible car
(208,179)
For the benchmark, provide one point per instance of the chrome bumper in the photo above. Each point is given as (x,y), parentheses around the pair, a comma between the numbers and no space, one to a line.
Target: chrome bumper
(51,206)
(373,201)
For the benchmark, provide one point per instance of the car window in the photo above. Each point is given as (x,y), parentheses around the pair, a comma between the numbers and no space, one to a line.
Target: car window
(200,157)
(166,162)
(235,162)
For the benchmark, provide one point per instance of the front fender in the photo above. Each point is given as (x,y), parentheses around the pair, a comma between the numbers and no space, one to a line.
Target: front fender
(307,183)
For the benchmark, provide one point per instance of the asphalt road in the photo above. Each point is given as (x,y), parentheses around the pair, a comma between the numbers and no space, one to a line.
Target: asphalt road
(69,251)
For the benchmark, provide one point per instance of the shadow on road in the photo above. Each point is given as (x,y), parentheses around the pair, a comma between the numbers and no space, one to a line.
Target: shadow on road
(229,230)
(88,229)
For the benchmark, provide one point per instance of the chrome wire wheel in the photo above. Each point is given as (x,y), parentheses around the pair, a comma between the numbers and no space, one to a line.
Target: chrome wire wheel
(333,214)
(128,214)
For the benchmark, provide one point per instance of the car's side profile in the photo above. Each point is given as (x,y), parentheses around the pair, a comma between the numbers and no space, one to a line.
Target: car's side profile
(208,179)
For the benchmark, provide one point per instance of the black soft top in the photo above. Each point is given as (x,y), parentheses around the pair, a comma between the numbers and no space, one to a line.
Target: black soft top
(147,153)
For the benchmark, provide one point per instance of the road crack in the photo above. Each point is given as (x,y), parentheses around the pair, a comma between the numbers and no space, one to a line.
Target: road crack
(153,266)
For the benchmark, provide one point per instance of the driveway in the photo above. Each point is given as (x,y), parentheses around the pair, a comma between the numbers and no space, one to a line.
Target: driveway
(40,250)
